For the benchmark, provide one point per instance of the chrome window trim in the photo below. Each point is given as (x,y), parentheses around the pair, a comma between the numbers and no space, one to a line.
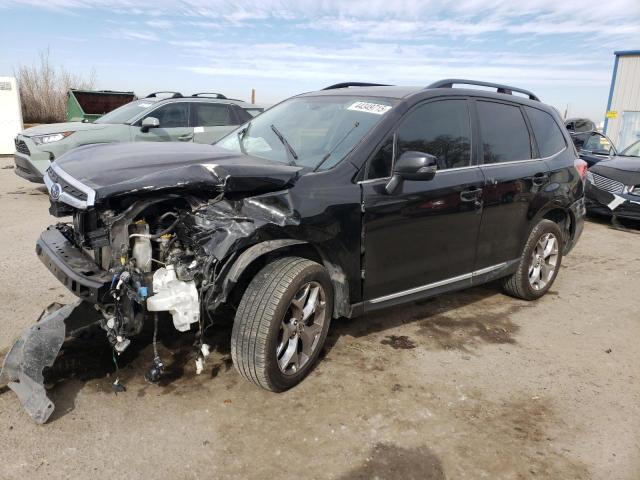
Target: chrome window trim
(511,162)
(440,283)
(64,196)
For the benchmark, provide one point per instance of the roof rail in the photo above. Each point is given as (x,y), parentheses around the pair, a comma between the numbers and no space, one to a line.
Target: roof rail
(450,82)
(217,95)
(354,84)
(174,94)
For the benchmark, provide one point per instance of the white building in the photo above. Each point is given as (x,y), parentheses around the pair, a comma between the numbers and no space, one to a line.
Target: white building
(622,123)
(10,114)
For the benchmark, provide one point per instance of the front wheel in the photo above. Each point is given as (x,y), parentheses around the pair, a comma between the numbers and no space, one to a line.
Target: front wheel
(539,263)
(282,322)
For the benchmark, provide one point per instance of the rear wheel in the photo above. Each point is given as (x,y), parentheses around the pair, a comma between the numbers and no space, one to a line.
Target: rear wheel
(539,263)
(282,322)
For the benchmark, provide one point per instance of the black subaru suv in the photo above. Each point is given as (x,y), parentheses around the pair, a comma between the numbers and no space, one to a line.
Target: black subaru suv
(331,204)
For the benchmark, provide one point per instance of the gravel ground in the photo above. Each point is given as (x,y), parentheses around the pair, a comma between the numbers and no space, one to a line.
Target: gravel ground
(465,386)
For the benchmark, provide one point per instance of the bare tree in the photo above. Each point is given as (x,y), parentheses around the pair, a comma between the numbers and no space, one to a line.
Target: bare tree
(43,90)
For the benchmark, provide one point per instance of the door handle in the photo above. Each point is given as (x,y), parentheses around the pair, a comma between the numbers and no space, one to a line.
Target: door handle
(540,178)
(474,195)
(471,195)
(186,137)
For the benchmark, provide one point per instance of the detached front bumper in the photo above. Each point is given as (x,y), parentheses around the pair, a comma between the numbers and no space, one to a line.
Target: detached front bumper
(607,203)
(36,349)
(69,264)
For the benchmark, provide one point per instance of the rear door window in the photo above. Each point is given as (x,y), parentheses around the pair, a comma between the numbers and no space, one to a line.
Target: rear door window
(241,114)
(211,115)
(548,135)
(441,128)
(505,136)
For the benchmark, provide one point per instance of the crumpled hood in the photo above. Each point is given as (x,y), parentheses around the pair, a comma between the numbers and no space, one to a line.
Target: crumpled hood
(50,128)
(120,168)
(622,169)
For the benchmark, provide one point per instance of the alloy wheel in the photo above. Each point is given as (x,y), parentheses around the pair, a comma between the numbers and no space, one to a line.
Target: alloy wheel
(544,260)
(300,328)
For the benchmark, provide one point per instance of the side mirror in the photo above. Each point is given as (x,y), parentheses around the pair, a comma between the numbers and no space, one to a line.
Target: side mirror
(412,166)
(148,123)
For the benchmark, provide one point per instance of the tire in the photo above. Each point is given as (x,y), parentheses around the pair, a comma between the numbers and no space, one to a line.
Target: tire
(520,284)
(264,334)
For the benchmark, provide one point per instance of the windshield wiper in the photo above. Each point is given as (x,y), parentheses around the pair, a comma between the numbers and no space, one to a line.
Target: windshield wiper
(330,152)
(290,151)
(241,134)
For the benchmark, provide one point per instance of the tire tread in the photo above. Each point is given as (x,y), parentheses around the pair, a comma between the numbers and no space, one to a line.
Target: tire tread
(516,285)
(255,314)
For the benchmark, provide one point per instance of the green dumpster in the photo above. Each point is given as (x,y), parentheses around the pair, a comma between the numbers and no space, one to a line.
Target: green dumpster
(88,105)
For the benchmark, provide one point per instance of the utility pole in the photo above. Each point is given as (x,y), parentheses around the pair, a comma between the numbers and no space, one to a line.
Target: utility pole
(253,95)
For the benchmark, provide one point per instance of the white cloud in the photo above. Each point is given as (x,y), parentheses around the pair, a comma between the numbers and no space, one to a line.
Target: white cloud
(553,43)
(157,23)
(411,64)
(131,34)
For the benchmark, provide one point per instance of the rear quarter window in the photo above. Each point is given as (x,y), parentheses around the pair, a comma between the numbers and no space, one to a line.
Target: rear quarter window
(211,115)
(546,131)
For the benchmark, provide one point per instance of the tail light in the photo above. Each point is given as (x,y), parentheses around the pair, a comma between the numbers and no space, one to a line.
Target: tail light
(581,167)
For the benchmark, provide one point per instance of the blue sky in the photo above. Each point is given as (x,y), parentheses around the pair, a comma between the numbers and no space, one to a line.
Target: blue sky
(560,49)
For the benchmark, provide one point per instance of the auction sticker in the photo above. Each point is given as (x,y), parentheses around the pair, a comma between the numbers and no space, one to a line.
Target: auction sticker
(375,108)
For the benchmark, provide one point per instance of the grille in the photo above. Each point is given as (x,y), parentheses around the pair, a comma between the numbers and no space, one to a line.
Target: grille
(74,192)
(604,183)
(66,187)
(21,147)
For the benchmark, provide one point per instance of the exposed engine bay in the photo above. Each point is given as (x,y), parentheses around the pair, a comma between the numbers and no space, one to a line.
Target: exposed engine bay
(168,254)
(144,255)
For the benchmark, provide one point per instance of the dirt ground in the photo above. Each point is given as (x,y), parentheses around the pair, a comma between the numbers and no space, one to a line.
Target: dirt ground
(469,385)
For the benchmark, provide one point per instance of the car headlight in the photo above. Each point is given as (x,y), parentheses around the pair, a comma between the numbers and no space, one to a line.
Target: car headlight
(50,138)
(632,190)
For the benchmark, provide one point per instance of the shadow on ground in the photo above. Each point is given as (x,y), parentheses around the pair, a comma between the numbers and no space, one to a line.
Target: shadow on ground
(460,320)
(86,359)
(391,461)
(614,222)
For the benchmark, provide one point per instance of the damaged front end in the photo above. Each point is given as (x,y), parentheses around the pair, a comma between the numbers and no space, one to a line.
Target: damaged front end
(134,256)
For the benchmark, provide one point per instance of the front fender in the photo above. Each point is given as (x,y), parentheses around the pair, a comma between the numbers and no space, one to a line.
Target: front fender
(255,252)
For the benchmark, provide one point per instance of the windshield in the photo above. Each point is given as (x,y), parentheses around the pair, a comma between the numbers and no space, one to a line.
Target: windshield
(632,150)
(315,132)
(125,113)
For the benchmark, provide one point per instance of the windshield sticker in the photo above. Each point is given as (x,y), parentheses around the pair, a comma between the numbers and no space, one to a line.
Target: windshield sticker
(198,130)
(144,105)
(375,108)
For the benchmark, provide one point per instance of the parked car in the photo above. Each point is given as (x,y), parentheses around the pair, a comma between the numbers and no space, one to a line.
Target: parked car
(593,147)
(330,204)
(197,118)
(613,186)
(579,125)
